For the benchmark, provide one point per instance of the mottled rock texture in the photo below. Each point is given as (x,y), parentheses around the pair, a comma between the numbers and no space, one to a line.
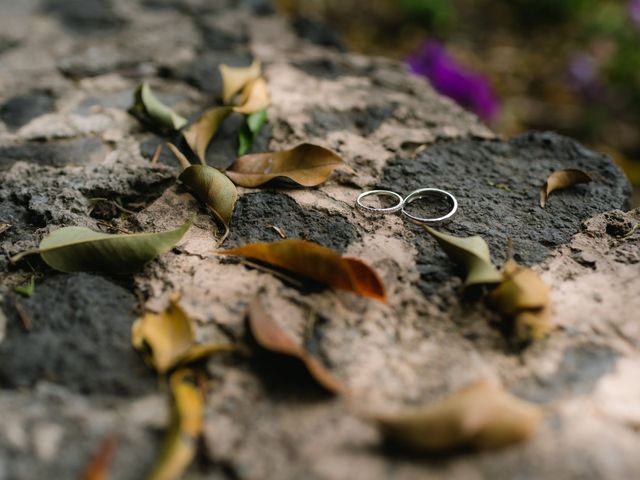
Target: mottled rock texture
(70,154)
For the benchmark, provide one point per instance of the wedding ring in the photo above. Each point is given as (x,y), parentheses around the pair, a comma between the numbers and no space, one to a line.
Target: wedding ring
(381,193)
(430,192)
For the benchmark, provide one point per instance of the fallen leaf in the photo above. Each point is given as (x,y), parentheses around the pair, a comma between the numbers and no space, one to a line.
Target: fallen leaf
(307,164)
(75,249)
(254,98)
(4,227)
(235,78)
(481,416)
(181,441)
(26,290)
(317,263)
(252,126)
(98,468)
(562,179)
(147,107)
(169,338)
(270,336)
(199,134)
(523,296)
(472,253)
(521,289)
(214,189)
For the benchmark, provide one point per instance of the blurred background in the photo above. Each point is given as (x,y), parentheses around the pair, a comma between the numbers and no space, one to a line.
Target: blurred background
(571,66)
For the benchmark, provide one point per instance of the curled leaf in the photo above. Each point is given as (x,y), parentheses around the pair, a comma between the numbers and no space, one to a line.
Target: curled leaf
(98,468)
(250,129)
(562,179)
(214,189)
(317,263)
(147,106)
(255,97)
(169,338)
(472,253)
(235,78)
(481,416)
(307,164)
(181,441)
(270,336)
(523,296)
(199,134)
(75,249)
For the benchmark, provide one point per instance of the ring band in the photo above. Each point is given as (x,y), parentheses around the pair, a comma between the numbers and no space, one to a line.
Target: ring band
(430,192)
(387,193)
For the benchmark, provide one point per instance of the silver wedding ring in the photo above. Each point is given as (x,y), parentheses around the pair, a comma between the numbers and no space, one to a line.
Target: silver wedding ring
(412,197)
(381,193)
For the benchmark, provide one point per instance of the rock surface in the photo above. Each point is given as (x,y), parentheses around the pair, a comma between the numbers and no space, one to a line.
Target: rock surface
(70,154)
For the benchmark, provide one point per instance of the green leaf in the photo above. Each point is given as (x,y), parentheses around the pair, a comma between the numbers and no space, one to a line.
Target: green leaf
(149,108)
(27,288)
(472,253)
(74,249)
(250,130)
(214,189)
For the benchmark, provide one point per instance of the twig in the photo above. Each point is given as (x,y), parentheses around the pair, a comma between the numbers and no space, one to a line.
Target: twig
(275,273)
(184,163)
(156,155)
(278,230)
(116,204)
(24,317)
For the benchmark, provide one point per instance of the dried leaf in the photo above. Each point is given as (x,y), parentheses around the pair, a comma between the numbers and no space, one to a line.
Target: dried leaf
(181,441)
(317,263)
(234,79)
(74,249)
(472,253)
(523,296)
(270,335)
(307,164)
(200,132)
(252,126)
(98,468)
(254,98)
(169,338)
(26,290)
(147,106)
(4,227)
(562,179)
(214,189)
(481,416)
(521,289)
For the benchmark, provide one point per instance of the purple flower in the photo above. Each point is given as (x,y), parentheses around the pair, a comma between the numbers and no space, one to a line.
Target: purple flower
(583,76)
(469,89)
(634,12)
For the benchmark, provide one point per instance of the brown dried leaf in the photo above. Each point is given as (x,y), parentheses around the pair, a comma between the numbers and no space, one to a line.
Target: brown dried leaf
(270,335)
(255,97)
(307,164)
(199,134)
(562,179)
(317,263)
(472,253)
(169,337)
(234,79)
(481,416)
(181,441)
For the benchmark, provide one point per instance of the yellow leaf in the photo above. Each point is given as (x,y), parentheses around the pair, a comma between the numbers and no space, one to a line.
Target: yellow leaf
(255,97)
(472,253)
(307,164)
(199,134)
(317,263)
(482,416)
(169,337)
(521,289)
(533,324)
(234,79)
(180,443)
(562,179)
